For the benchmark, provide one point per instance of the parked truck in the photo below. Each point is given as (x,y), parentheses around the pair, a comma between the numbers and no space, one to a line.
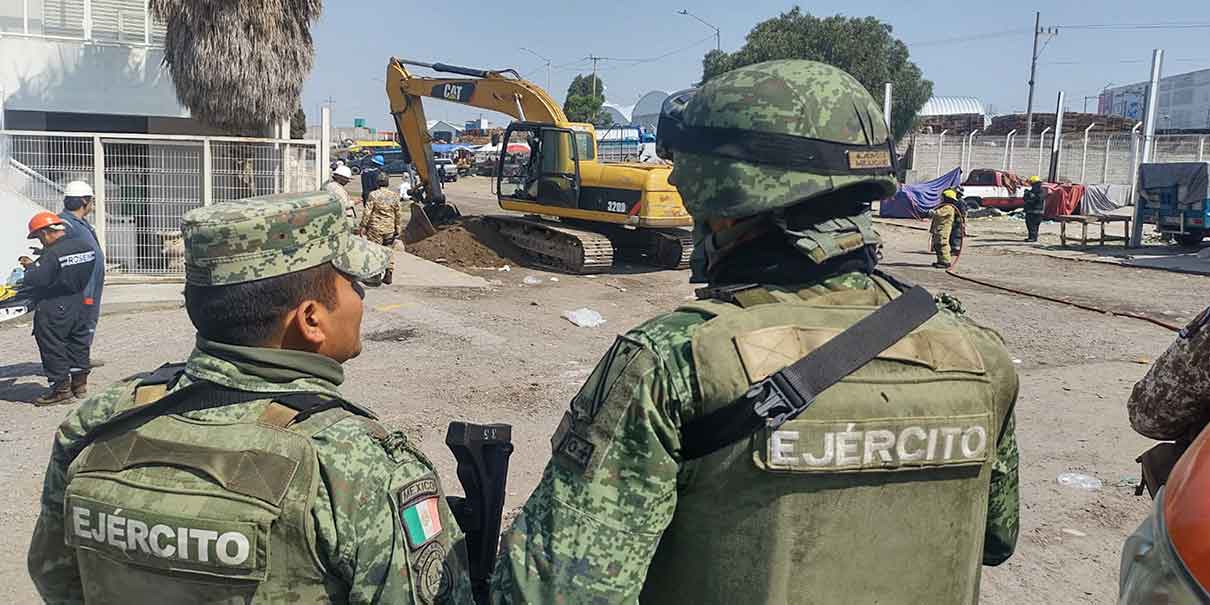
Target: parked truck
(994,189)
(1175,197)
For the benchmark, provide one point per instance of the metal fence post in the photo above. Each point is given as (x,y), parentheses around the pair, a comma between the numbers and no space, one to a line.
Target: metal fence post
(1201,150)
(325,145)
(1084,160)
(98,188)
(940,146)
(962,154)
(1105,165)
(970,150)
(1134,158)
(207,173)
(1041,144)
(1008,142)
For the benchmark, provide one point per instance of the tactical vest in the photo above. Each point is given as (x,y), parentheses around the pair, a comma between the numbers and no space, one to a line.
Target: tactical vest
(876,493)
(180,510)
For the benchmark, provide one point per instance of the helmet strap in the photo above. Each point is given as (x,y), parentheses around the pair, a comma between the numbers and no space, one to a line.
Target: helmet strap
(710,247)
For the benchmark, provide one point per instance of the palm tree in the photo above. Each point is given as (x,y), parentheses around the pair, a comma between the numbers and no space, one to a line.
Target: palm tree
(238,65)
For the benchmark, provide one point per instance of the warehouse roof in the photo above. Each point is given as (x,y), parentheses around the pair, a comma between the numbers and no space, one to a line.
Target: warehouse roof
(949,106)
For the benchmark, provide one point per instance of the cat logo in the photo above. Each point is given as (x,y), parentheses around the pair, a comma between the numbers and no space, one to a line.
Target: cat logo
(458,92)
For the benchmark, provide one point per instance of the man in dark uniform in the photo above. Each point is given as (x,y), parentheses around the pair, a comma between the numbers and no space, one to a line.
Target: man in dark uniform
(369,176)
(58,279)
(1035,205)
(78,202)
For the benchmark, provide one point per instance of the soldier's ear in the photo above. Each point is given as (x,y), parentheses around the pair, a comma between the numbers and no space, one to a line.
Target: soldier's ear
(305,326)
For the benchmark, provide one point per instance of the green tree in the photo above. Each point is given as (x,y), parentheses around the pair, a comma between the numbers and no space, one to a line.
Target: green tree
(864,47)
(584,101)
(298,124)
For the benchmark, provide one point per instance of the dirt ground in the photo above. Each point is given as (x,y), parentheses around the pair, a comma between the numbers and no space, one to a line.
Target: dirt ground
(503,354)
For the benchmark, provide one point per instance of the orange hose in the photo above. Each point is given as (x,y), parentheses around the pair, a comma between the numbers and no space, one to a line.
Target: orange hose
(1158,322)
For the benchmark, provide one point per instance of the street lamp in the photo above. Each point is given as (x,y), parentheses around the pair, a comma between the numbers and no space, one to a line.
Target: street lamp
(718,44)
(547,65)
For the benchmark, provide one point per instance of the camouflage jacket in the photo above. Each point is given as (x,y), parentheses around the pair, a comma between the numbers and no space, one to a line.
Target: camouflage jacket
(594,534)
(357,520)
(383,213)
(1173,400)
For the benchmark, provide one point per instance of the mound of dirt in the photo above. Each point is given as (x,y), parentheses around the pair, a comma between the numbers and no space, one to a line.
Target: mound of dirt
(468,243)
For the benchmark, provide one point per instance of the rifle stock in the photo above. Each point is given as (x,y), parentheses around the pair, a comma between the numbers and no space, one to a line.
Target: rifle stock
(482,452)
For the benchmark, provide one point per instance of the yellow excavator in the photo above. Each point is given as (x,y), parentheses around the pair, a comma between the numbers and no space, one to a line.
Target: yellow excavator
(548,168)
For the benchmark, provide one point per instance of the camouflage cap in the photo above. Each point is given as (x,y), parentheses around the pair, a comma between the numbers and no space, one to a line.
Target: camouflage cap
(791,97)
(255,238)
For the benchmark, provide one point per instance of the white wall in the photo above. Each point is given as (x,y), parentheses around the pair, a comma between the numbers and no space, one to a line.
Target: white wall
(39,74)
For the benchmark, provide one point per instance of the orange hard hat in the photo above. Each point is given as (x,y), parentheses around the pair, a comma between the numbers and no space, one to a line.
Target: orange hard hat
(1185,508)
(41,221)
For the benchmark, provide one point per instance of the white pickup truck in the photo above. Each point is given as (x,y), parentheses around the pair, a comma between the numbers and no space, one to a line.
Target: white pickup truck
(994,189)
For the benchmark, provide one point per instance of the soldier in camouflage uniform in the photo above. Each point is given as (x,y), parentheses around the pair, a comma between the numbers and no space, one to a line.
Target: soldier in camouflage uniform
(1173,400)
(382,221)
(244,475)
(856,500)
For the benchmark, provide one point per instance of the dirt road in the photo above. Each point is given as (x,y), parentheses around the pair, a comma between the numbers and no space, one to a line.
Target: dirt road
(503,354)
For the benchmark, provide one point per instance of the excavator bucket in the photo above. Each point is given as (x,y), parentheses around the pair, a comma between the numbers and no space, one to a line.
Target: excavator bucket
(419,226)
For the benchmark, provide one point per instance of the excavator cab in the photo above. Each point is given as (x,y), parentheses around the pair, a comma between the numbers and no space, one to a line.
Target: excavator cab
(545,165)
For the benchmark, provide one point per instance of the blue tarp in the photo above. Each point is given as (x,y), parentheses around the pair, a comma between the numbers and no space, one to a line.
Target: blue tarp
(448,148)
(914,201)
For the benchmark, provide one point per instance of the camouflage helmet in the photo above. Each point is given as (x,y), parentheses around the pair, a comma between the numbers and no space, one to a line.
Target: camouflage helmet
(772,135)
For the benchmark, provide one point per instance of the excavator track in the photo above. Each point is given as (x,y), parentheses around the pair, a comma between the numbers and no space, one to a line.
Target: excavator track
(669,248)
(556,246)
(663,248)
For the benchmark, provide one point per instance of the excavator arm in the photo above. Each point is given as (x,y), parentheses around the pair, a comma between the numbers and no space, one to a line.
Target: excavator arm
(500,91)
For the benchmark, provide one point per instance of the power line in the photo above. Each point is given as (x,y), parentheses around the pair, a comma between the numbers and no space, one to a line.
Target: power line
(639,61)
(1119,61)
(971,37)
(1128,26)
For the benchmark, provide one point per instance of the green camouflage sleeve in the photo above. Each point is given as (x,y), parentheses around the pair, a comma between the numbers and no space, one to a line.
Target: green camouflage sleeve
(1000,537)
(589,530)
(52,565)
(382,521)
(1172,401)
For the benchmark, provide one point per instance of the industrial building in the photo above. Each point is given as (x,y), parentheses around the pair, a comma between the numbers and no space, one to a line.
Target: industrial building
(87,65)
(1183,103)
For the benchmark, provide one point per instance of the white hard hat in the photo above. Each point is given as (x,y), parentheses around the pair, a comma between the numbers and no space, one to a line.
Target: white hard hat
(77,189)
(343,171)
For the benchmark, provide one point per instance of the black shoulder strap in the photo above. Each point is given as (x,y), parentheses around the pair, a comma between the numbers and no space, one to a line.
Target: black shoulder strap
(205,395)
(788,392)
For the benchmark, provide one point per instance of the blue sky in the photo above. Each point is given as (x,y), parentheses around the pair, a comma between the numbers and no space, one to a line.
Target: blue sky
(974,48)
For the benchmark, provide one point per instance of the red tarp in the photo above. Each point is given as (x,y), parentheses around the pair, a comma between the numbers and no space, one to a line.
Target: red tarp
(1062,199)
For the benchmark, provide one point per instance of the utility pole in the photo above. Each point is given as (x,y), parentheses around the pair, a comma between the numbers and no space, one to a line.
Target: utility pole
(547,65)
(1153,93)
(1056,146)
(1033,71)
(594,60)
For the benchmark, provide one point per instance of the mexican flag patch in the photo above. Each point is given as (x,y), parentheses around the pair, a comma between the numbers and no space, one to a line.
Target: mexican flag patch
(421,518)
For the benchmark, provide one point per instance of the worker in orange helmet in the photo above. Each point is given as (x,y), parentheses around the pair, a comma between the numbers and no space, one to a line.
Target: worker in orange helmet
(58,279)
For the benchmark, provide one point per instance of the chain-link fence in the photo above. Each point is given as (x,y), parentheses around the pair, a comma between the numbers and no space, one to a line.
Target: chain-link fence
(146,183)
(1100,159)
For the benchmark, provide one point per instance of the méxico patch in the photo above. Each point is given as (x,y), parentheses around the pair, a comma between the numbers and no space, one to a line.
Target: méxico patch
(420,512)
